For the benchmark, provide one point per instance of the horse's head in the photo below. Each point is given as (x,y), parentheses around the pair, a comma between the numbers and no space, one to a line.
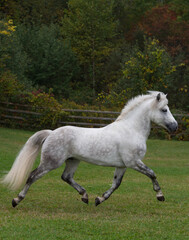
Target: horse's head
(161,114)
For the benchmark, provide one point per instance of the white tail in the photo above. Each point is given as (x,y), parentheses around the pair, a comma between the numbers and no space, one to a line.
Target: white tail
(25,160)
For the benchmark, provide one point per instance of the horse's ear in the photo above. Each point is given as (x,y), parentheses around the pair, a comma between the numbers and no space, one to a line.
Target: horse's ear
(158,97)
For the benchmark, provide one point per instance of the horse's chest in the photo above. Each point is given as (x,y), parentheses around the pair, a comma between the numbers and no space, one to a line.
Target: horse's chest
(139,150)
(134,150)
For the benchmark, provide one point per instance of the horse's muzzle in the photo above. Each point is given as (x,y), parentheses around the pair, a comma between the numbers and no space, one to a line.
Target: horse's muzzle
(172,127)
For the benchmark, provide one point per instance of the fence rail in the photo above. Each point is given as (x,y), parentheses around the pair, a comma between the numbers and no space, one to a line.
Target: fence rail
(78,117)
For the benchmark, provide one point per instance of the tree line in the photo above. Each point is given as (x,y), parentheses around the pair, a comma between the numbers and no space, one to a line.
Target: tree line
(95,51)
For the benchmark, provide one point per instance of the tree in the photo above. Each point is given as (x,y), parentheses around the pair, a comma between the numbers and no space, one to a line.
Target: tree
(162,23)
(9,85)
(128,13)
(90,28)
(33,12)
(181,8)
(7,28)
(144,70)
(51,62)
(38,57)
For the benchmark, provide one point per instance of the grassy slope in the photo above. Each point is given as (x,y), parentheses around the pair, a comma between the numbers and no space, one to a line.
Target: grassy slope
(53,210)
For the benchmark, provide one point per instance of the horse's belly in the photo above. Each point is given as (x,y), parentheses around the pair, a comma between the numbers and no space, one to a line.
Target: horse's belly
(102,162)
(99,155)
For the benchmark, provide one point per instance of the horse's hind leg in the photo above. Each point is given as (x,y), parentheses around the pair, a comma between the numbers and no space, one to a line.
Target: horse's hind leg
(118,175)
(67,176)
(34,175)
(141,167)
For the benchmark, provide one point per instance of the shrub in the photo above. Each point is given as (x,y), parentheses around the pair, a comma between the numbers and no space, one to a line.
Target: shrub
(115,100)
(49,109)
(183,131)
(10,88)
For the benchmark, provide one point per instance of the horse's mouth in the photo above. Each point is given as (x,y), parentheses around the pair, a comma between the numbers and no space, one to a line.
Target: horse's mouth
(172,127)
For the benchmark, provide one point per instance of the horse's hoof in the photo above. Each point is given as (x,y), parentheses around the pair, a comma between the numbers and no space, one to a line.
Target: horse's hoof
(85,200)
(14,203)
(97,201)
(161,198)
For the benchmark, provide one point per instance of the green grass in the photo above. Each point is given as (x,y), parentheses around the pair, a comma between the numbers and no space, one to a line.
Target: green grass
(53,210)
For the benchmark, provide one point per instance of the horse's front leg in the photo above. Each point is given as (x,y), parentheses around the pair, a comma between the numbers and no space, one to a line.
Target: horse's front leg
(141,167)
(118,175)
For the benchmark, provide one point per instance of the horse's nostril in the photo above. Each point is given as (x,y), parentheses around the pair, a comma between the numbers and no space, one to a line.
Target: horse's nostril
(172,127)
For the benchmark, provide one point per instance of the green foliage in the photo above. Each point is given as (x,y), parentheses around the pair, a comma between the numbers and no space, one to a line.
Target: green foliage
(7,27)
(144,69)
(33,12)
(90,28)
(183,131)
(147,69)
(6,30)
(48,107)
(181,8)
(12,55)
(114,100)
(129,13)
(81,95)
(38,56)
(9,87)
(77,47)
(17,61)
(178,88)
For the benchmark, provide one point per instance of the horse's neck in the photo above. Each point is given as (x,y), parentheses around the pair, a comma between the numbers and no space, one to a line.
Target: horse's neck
(139,120)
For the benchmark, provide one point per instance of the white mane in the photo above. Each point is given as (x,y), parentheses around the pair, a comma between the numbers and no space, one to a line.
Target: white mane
(136,101)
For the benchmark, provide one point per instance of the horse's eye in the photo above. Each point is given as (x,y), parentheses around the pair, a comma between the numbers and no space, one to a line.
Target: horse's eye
(164,110)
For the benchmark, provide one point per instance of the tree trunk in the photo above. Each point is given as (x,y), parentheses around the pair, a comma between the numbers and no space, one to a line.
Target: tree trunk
(93,71)
(94,80)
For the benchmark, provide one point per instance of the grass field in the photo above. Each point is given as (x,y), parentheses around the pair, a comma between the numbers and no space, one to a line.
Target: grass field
(53,210)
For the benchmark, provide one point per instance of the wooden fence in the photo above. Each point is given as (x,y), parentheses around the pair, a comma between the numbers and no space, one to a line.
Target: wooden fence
(103,118)
(20,115)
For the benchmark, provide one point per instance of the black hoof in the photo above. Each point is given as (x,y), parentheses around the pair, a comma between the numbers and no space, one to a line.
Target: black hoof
(161,198)
(85,200)
(14,204)
(97,202)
